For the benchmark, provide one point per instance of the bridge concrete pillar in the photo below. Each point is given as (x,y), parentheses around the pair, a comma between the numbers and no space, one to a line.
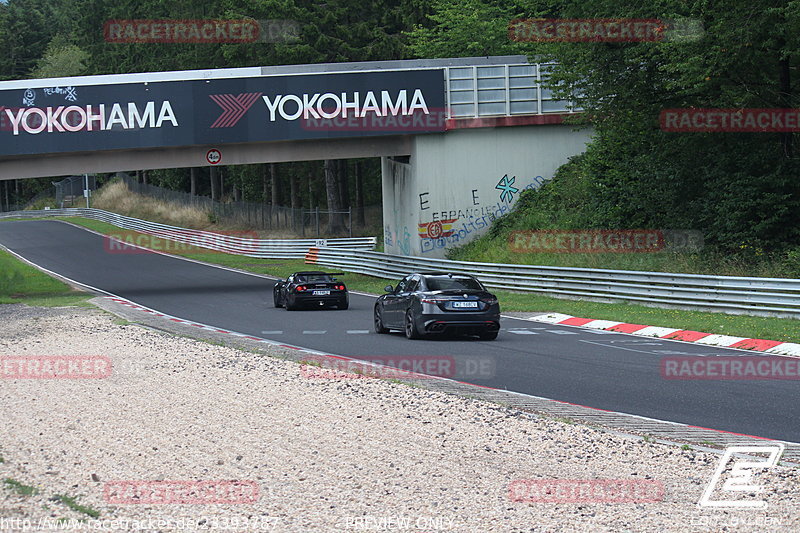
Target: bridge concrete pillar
(454,184)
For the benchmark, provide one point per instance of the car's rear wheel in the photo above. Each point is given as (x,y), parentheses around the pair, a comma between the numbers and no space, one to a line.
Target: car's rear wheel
(378,316)
(289,306)
(344,304)
(488,335)
(411,327)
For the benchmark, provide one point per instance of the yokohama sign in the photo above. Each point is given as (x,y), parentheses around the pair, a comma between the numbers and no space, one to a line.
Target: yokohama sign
(213,112)
(35,120)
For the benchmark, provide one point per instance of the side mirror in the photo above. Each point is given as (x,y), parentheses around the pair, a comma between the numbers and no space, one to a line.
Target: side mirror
(388,288)
(280,281)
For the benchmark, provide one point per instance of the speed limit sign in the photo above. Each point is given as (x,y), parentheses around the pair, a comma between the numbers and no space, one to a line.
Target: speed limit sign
(213,156)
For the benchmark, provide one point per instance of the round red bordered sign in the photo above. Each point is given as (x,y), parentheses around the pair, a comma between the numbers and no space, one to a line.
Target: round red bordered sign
(213,156)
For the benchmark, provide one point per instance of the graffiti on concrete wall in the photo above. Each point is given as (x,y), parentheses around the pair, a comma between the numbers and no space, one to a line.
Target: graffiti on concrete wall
(507,191)
(393,237)
(535,183)
(457,230)
(436,229)
(404,243)
(453,227)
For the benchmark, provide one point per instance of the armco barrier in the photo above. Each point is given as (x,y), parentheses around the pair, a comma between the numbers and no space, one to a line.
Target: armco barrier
(262,248)
(743,295)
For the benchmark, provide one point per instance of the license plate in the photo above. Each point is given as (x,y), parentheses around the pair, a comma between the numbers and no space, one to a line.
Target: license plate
(321,293)
(465,304)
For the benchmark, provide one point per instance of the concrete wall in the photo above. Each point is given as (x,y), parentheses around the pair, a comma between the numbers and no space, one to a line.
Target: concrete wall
(456,183)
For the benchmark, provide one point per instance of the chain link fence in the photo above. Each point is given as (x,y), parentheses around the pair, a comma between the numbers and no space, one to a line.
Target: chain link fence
(258,215)
(69,191)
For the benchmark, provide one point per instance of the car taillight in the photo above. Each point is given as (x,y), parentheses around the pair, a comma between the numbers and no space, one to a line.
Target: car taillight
(300,288)
(339,287)
(432,301)
(490,301)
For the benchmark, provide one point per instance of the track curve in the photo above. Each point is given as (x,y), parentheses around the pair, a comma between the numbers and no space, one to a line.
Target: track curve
(604,370)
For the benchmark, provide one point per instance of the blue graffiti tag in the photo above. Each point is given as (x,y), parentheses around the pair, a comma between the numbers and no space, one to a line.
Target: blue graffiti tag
(405,243)
(506,190)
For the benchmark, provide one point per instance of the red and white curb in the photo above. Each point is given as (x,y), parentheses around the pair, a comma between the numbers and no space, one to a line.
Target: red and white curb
(613,420)
(403,373)
(133,305)
(686,335)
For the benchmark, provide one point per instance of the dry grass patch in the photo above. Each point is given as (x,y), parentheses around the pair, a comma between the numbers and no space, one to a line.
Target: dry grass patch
(118,198)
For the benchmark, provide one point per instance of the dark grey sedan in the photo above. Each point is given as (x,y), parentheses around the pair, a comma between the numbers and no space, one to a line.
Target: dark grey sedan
(434,303)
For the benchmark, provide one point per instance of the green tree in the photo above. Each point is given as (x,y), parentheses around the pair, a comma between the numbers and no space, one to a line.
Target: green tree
(468,28)
(26,28)
(739,188)
(60,59)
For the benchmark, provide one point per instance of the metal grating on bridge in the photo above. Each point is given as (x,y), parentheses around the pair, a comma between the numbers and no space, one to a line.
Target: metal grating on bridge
(501,90)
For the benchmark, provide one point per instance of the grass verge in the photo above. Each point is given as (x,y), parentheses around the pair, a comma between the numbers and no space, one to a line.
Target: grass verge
(22,283)
(779,329)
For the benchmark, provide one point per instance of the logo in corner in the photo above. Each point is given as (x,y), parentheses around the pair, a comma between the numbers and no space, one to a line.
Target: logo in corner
(234,107)
(740,477)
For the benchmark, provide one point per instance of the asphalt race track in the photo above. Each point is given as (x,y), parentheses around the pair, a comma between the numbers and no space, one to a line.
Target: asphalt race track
(598,369)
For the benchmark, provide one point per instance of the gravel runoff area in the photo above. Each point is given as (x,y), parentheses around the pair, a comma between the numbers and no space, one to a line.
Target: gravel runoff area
(323,454)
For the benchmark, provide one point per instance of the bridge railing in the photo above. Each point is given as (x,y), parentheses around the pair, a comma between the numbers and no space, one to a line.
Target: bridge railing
(742,295)
(502,90)
(230,242)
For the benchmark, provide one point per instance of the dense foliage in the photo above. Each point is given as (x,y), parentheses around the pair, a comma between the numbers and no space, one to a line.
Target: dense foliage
(741,189)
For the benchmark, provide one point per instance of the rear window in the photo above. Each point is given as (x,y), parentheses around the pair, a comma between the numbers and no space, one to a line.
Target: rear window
(314,278)
(445,283)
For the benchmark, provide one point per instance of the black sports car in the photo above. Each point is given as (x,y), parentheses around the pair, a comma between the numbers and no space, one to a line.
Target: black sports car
(317,289)
(427,303)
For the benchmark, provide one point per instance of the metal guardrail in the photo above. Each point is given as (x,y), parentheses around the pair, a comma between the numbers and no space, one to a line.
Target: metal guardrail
(734,294)
(221,242)
(743,295)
